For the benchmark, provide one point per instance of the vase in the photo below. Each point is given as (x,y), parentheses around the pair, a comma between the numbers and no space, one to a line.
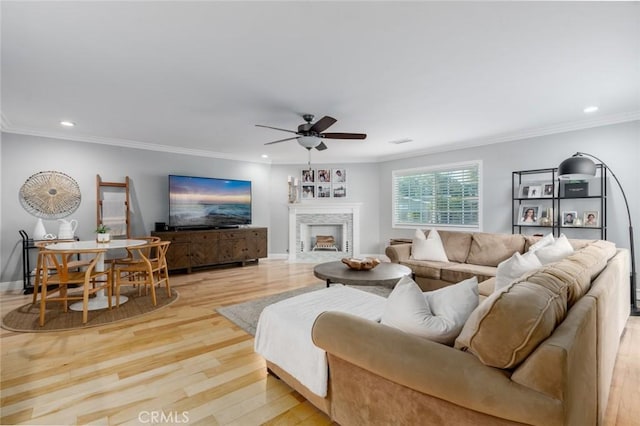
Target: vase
(39,232)
(103,238)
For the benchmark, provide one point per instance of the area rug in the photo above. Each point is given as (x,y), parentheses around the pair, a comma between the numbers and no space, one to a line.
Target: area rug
(245,315)
(26,317)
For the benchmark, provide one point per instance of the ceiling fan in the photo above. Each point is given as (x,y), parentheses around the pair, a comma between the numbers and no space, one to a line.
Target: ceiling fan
(311,135)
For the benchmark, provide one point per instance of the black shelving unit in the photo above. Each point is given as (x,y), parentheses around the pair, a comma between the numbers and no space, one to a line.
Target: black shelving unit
(556,201)
(28,274)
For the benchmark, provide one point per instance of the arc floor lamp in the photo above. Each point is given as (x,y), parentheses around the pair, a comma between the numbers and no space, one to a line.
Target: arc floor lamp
(581,167)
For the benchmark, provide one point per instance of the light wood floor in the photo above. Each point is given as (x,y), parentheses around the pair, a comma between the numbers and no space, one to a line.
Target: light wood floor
(189,364)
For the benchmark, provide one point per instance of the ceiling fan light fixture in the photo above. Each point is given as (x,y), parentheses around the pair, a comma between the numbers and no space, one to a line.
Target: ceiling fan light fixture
(309,141)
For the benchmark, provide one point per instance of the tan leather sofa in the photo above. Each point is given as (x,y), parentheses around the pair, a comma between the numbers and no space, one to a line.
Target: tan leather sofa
(539,352)
(469,253)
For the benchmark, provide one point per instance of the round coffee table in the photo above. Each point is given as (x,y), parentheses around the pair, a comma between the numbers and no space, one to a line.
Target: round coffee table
(385,274)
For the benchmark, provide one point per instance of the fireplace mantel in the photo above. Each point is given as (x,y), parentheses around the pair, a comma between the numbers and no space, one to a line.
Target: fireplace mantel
(299,214)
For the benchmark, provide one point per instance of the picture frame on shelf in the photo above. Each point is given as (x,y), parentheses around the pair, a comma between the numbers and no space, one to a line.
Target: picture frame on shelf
(547,190)
(535,191)
(591,218)
(569,217)
(524,191)
(529,214)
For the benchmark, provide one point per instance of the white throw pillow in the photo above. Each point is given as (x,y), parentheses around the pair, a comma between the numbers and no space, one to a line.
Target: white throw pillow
(542,242)
(429,248)
(560,249)
(514,267)
(435,315)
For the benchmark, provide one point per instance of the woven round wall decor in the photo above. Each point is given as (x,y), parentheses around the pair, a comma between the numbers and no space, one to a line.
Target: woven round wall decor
(50,195)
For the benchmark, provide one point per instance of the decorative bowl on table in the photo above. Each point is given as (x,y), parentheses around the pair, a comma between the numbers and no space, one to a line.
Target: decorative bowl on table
(361,264)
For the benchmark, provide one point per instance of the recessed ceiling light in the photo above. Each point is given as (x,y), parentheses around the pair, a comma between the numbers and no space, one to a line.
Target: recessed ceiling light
(67,123)
(264,156)
(590,109)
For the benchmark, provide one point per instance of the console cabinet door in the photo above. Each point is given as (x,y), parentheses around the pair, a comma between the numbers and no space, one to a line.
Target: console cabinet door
(179,253)
(257,244)
(204,248)
(233,246)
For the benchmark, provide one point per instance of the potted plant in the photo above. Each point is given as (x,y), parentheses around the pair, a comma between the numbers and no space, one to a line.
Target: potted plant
(102,234)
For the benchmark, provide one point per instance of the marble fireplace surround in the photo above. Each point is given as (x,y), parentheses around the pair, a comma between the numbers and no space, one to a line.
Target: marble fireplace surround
(343,217)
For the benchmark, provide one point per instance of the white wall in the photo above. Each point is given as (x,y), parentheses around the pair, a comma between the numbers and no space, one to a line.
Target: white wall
(362,187)
(369,184)
(617,145)
(22,156)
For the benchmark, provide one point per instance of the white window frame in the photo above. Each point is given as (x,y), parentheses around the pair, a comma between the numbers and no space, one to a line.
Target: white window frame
(427,169)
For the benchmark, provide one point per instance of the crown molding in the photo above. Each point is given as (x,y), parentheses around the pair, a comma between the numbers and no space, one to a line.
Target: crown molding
(126,143)
(453,146)
(522,134)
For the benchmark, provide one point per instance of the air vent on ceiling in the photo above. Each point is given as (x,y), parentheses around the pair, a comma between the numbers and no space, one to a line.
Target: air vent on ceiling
(401,141)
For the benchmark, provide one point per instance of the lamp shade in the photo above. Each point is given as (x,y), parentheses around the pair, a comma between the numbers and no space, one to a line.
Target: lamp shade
(576,167)
(309,141)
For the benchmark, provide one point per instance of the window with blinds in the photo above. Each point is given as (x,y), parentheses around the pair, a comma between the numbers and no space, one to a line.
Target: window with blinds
(446,195)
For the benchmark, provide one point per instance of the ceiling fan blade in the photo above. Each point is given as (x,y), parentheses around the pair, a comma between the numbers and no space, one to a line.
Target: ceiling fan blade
(322,124)
(281,140)
(321,147)
(277,128)
(344,135)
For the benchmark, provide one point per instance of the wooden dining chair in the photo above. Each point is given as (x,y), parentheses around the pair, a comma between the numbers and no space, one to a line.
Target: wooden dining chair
(148,269)
(129,257)
(74,262)
(54,287)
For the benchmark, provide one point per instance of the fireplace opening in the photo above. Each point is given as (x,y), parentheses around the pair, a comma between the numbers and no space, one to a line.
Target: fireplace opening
(323,237)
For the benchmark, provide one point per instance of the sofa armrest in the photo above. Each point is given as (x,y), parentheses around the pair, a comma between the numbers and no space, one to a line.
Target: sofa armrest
(398,252)
(431,368)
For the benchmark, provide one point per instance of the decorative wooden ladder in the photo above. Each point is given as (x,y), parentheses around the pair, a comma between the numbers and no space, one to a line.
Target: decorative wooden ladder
(100,187)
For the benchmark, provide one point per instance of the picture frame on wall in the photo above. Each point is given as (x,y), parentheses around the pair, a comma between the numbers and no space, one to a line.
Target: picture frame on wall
(591,218)
(307,176)
(323,175)
(323,191)
(338,175)
(339,190)
(569,217)
(308,192)
(529,214)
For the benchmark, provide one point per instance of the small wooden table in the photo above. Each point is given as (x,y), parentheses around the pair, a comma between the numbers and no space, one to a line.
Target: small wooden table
(385,274)
(101,301)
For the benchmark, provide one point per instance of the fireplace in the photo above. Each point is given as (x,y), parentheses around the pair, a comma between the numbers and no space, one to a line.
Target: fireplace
(323,232)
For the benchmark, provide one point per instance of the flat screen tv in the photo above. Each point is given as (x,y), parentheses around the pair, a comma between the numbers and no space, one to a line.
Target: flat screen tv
(201,202)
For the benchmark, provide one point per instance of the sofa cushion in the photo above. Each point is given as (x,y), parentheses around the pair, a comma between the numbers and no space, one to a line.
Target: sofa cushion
(456,245)
(547,240)
(425,268)
(577,270)
(514,267)
(510,323)
(461,271)
(560,249)
(491,249)
(428,248)
(486,287)
(577,244)
(437,315)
